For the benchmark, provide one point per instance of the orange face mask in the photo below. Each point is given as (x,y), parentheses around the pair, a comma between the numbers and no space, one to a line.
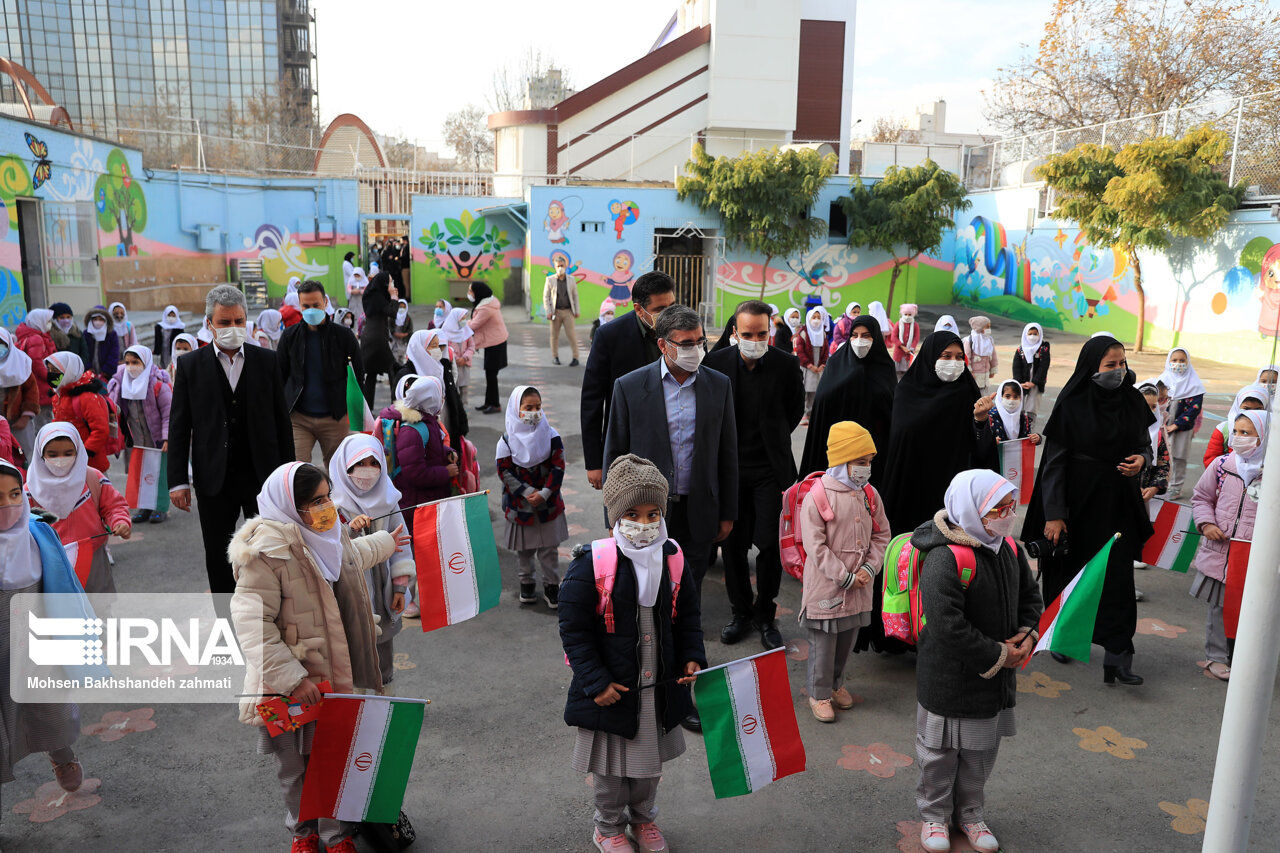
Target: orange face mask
(323,519)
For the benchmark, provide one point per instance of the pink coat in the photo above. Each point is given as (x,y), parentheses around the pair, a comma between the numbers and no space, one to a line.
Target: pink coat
(487,323)
(899,344)
(1220,498)
(90,516)
(984,365)
(837,548)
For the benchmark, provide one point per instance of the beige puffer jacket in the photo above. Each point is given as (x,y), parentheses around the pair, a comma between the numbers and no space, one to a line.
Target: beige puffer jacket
(308,627)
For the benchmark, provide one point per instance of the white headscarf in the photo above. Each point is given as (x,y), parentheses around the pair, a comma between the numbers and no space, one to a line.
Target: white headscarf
(190,341)
(136,389)
(381,498)
(1029,349)
(402,313)
(423,363)
(71,365)
(455,329)
(946,321)
(292,286)
(980,345)
(175,322)
(526,445)
(1181,385)
(647,563)
(1012,421)
(426,395)
(876,309)
(20,565)
(973,494)
(95,316)
(1249,465)
(792,318)
(59,495)
(15,369)
(271,324)
(816,336)
(205,335)
(276,503)
(39,319)
(606,311)
(404,381)
(1156,428)
(1248,392)
(111,309)
(905,329)
(291,299)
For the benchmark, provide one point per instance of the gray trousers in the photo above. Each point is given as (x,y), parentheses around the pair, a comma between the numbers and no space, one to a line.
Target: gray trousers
(1179,449)
(1216,647)
(620,800)
(548,559)
(292,770)
(828,654)
(952,782)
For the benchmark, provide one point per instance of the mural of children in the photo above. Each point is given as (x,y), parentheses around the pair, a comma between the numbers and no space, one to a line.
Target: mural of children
(1269,285)
(623,213)
(556,222)
(620,281)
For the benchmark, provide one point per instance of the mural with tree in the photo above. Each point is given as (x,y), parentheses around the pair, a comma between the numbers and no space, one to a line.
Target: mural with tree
(464,248)
(120,202)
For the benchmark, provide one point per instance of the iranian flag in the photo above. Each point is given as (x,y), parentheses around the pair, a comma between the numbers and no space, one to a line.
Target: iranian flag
(360,758)
(1233,594)
(1018,466)
(748,723)
(80,556)
(148,484)
(1175,541)
(1067,625)
(457,560)
(359,418)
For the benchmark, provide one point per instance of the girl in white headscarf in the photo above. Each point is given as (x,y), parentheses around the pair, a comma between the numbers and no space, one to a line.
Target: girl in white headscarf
(356,283)
(1225,507)
(123,325)
(143,397)
(269,328)
(419,352)
(61,481)
(530,458)
(793,318)
(978,634)
(1186,393)
(401,331)
(1031,367)
(606,315)
(980,352)
(458,335)
(948,323)
(19,392)
(810,347)
(169,327)
(368,502)
(182,344)
(1267,378)
(300,575)
(425,465)
(876,309)
(1252,396)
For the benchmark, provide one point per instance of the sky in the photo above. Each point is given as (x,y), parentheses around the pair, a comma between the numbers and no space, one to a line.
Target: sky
(403,65)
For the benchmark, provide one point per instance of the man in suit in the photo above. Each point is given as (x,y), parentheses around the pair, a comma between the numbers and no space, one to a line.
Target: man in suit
(620,346)
(230,419)
(560,302)
(768,400)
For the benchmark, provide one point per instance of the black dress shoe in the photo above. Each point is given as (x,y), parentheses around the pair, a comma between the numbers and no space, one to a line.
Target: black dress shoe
(1060,658)
(738,628)
(489,410)
(1121,674)
(573,363)
(555,360)
(770,636)
(692,722)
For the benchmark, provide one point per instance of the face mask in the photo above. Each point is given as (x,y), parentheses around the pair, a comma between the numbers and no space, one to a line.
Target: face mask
(98,325)
(134,370)
(650,320)
(434,352)
(815,324)
(471,297)
(1010,406)
(54,379)
(859,475)
(1033,339)
(11,515)
(532,418)
(860,347)
(400,316)
(117,318)
(1110,379)
(365,478)
(182,351)
(323,520)
(1001,527)
(1244,443)
(753,349)
(64,325)
(908,319)
(687,359)
(639,534)
(60,465)
(230,337)
(1178,369)
(948,370)
(439,314)
(313,316)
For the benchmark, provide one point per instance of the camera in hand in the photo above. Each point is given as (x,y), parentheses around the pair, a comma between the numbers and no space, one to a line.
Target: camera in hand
(1042,548)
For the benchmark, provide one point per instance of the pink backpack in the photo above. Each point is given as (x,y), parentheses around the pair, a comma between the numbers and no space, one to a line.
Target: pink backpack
(790,546)
(604,563)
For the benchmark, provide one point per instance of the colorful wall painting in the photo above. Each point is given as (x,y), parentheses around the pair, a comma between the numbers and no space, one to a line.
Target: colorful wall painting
(622,213)
(120,202)
(456,242)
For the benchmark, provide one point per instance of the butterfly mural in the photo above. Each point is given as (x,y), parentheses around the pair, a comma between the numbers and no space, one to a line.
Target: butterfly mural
(44,168)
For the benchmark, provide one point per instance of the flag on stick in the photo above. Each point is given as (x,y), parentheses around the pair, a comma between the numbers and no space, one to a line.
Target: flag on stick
(1233,596)
(282,714)
(748,724)
(1067,624)
(1018,466)
(1174,544)
(359,418)
(148,484)
(457,560)
(360,758)
(80,556)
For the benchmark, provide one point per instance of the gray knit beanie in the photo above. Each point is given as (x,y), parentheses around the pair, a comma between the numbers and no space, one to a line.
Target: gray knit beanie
(630,481)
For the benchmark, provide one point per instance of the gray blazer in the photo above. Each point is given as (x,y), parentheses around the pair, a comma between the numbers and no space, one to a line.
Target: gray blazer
(638,424)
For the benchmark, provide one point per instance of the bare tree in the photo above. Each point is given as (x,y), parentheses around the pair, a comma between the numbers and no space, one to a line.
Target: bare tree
(467,133)
(892,129)
(511,83)
(407,154)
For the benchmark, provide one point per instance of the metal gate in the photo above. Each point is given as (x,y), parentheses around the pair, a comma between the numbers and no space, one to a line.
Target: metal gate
(689,273)
(71,252)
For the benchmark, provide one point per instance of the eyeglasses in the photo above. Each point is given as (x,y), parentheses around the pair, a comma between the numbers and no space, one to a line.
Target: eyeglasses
(700,343)
(318,503)
(1002,512)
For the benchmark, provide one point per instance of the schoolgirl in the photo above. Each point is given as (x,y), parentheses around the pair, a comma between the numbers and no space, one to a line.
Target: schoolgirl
(1186,395)
(1031,367)
(811,349)
(143,395)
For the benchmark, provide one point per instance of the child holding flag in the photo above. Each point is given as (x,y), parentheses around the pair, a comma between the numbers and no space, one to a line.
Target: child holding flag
(844,555)
(143,395)
(314,623)
(86,505)
(1186,392)
(632,655)
(530,459)
(427,464)
(1006,422)
(976,634)
(1224,505)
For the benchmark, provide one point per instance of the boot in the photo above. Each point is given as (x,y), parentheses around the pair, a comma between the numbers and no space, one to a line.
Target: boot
(1115,668)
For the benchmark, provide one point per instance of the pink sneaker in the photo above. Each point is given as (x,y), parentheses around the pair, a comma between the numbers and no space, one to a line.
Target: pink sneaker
(648,838)
(935,837)
(411,610)
(612,843)
(980,837)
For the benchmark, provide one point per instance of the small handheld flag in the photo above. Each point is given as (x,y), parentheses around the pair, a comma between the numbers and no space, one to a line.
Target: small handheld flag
(1233,595)
(1174,543)
(1066,627)
(285,714)
(1018,466)
(148,484)
(457,560)
(359,418)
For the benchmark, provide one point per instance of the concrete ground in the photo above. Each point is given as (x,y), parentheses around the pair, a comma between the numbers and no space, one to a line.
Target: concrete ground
(1092,767)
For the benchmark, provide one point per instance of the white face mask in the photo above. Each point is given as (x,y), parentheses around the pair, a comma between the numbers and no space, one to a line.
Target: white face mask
(815,324)
(229,337)
(1001,527)
(1244,443)
(434,352)
(908,318)
(135,370)
(948,370)
(1178,368)
(859,474)
(1010,406)
(98,325)
(688,359)
(532,418)
(639,534)
(60,465)
(753,349)
(860,346)
(1033,339)
(364,479)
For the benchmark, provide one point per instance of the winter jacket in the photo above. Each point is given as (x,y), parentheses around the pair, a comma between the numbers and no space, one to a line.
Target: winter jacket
(840,334)
(961,650)
(82,404)
(598,657)
(836,549)
(399,569)
(423,473)
(92,515)
(1036,373)
(809,355)
(22,399)
(338,348)
(306,625)
(982,367)
(10,450)
(518,483)
(38,345)
(1220,498)
(102,357)
(1218,444)
(899,344)
(461,353)
(487,323)
(155,408)
(1188,414)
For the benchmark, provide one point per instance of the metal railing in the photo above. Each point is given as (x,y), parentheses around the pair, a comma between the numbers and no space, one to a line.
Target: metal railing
(1249,121)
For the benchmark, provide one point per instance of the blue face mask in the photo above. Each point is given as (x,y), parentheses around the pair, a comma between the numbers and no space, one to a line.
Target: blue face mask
(439,313)
(313,316)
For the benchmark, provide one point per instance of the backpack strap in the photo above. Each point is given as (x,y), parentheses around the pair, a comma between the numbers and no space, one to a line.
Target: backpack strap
(821,501)
(966,563)
(869,496)
(675,566)
(604,566)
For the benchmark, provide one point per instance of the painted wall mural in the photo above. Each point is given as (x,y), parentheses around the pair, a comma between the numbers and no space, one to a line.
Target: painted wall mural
(456,243)
(120,202)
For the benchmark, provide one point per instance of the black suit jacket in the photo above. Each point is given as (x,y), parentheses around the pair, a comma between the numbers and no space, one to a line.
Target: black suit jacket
(198,419)
(781,402)
(338,348)
(638,424)
(619,348)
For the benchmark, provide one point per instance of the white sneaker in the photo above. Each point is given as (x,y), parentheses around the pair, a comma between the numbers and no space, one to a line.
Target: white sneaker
(935,837)
(1138,564)
(980,837)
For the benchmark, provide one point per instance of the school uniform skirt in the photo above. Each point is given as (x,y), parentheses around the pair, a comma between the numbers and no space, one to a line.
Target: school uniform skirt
(529,537)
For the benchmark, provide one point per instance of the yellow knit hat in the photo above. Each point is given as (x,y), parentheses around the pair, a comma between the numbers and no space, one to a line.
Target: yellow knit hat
(848,440)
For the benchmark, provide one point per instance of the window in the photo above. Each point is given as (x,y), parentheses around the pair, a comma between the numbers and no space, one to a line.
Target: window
(837,224)
(591,227)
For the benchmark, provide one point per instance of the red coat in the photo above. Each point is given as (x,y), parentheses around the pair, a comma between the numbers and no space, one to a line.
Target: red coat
(10,451)
(805,351)
(38,345)
(1217,445)
(900,344)
(80,405)
(290,316)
